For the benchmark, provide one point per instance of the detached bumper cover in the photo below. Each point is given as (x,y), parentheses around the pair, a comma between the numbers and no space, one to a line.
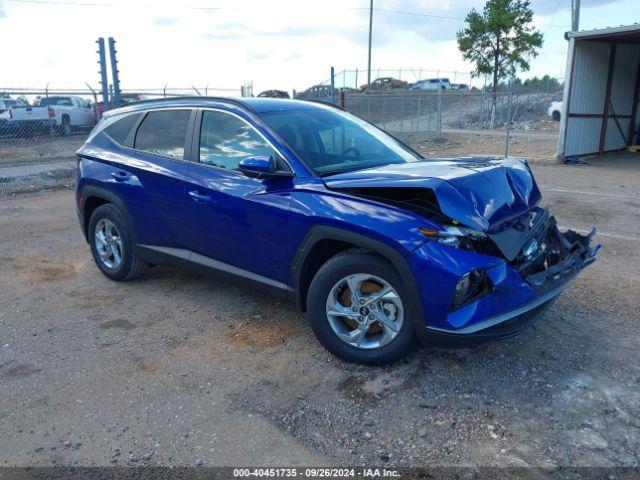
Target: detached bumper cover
(521,289)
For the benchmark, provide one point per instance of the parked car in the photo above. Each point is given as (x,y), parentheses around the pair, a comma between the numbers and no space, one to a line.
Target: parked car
(432,84)
(70,112)
(380,246)
(273,94)
(384,83)
(316,92)
(460,87)
(555,111)
(22,119)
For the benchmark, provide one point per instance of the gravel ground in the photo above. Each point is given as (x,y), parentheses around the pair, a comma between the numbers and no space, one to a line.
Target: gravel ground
(177,369)
(20,151)
(537,147)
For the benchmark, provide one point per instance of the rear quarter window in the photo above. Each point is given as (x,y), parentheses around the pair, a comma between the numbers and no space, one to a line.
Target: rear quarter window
(119,130)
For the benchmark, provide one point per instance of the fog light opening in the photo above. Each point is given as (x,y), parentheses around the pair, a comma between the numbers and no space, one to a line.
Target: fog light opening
(470,287)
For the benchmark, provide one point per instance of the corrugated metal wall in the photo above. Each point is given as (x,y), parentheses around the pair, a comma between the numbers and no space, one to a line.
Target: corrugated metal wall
(583,136)
(588,93)
(588,88)
(624,80)
(589,77)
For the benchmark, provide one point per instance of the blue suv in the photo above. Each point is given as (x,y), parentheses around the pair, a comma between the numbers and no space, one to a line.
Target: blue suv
(384,249)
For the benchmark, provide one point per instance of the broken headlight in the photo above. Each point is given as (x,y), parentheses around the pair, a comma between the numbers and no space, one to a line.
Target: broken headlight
(452,235)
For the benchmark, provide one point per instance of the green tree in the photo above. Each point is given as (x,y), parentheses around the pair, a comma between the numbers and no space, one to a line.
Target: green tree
(500,39)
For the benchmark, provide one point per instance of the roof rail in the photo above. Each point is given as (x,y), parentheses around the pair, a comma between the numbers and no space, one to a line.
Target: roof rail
(323,102)
(198,98)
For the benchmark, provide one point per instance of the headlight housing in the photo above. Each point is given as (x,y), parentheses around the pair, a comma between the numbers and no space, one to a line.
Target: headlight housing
(451,235)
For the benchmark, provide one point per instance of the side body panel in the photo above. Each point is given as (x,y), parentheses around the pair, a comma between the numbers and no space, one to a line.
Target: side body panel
(151,187)
(238,220)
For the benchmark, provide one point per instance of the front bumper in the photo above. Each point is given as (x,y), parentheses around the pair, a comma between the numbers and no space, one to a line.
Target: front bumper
(510,327)
(514,301)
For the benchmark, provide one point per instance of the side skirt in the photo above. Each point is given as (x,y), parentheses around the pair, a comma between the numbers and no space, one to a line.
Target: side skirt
(194,261)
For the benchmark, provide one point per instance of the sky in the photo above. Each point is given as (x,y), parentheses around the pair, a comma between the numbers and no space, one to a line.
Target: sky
(283,44)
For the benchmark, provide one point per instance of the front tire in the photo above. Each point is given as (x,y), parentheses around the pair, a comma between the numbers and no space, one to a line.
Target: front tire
(370,326)
(112,245)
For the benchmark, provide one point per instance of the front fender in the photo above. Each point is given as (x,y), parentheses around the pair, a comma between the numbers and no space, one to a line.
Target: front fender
(387,224)
(392,233)
(322,232)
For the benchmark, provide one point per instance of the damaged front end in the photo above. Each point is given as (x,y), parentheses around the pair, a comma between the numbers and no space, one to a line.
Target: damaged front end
(512,228)
(544,253)
(532,245)
(493,259)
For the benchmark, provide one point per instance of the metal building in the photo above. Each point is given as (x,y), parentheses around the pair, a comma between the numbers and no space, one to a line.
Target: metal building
(600,101)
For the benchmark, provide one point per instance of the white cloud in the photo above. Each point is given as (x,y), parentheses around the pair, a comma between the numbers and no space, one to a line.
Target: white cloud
(281,44)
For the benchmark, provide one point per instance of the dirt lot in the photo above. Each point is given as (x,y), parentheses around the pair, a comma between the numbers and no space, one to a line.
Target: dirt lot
(16,151)
(175,369)
(539,147)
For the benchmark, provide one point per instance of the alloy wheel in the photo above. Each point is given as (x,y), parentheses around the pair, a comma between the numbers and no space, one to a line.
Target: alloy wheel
(108,243)
(364,311)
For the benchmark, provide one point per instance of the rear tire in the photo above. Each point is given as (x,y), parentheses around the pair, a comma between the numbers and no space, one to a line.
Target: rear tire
(382,342)
(65,128)
(112,245)
(556,115)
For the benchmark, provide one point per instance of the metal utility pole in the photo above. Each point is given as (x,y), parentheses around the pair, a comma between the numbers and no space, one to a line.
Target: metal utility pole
(102,61)
(333,86)
(575,15)
(370,31)
(114,71)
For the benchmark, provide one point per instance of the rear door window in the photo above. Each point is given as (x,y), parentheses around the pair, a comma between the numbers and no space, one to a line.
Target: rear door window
(120,129)
(164,132)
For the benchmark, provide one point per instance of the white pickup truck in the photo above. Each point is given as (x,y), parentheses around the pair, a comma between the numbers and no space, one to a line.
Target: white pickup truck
(20,119)
(70,112)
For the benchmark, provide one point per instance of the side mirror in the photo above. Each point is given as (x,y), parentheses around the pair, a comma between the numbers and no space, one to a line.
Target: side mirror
(261,166)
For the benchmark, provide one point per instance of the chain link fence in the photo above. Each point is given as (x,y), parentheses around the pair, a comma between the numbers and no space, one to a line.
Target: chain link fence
(410,112)
(450,123)
(357,78)
(41,128)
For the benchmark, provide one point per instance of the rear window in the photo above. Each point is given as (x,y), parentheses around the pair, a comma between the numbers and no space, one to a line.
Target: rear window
(119,130)
(164,133)
(59,101)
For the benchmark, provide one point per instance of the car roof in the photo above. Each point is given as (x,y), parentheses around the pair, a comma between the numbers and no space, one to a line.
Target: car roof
(255,105)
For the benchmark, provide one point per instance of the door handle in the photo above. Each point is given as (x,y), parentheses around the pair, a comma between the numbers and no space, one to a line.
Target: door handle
(120,176)
(199,197)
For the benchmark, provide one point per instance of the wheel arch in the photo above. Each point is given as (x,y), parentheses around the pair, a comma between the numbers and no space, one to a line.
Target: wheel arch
(93,197)
(323,242)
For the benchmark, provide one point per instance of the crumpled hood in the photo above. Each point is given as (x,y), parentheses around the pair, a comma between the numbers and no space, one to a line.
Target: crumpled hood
(480,193)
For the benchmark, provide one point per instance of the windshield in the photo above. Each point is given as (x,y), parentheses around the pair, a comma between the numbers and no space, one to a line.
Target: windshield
(332,141)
